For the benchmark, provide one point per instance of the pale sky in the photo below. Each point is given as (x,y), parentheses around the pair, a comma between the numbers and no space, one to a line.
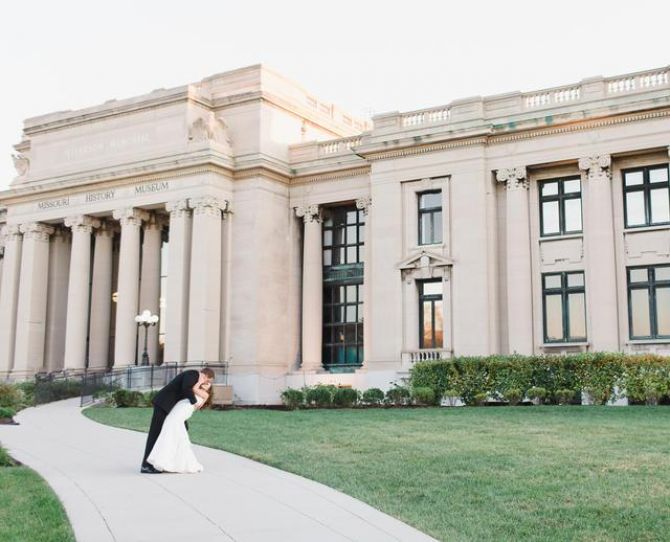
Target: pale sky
(366,56)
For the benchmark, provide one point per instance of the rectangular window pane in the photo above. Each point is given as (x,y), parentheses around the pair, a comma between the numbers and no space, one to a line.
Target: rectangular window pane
(351,294)
(552,281)
(575,279)
(338,313)
(439,327)
(573,214)
(351,313)
(550,217)
(550,189)
(577,315)
(639,300)
(663,311)
(426,229)
(351,235)
(437,227)
(430,200)
(339,256)
(351,255)
(660,205)
(327,257)
(554,315)
(350,334)
(659,175)
(338,354)
(432,288)
(327,238)
(635,209)
(361,253)
(338,236)
(639,275)
(351,217)
(662,273)
(427,332)
(361,233)
(633,178)
(572,186)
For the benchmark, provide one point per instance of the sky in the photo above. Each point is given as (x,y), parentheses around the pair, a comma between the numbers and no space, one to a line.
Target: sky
(368,57)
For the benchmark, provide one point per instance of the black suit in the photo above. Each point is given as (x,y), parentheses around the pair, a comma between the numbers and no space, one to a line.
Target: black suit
(180,387)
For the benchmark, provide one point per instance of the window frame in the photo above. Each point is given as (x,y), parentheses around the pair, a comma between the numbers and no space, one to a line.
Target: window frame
(561,198)
(645,188)
(432,298)
(565,291)
(432,211)
(650,285)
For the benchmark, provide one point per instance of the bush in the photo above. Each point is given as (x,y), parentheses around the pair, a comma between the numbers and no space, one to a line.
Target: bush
(292,398)
(536,393)
(513,395)
(148,397)
(7,412)
(128,398)
(28,389)
(47,391)
(5,459)
(320,396)
(345,397)
(480,399)
(11,396)
(565,396)
(373,396)
(647,380)
(423,395)
(397,395)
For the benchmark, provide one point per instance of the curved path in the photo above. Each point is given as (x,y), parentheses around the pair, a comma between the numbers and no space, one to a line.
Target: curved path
(94,469)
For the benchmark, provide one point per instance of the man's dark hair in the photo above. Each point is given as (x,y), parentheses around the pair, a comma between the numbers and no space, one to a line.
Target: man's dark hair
(207,372)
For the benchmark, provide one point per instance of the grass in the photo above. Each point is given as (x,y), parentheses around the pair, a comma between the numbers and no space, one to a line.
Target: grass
(508,473)
(29,509)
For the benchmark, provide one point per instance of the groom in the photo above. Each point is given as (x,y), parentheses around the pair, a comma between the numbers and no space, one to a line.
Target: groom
(181,387)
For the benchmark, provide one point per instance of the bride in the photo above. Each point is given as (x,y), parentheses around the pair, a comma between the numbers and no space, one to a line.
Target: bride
(173,451)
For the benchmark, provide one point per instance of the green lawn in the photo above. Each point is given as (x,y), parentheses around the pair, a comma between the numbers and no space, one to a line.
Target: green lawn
(29,509)
(506,473)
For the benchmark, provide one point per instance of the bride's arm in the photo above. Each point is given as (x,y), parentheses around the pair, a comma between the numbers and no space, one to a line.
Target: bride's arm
(202,394)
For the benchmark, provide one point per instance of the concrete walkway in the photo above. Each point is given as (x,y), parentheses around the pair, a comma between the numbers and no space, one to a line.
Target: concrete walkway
(94,469)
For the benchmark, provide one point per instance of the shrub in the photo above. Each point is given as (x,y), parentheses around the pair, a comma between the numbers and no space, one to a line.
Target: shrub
(513,395)
(320,396)
(292,398)
(647,380)
(128,398)
(47,391)
(565,396)
(5,459)
(536,393)
(480,399)
(373,396)
(28,389)
(423,395)
(345,397)
(148,397)
(7,412)
(11,396)
(397,395)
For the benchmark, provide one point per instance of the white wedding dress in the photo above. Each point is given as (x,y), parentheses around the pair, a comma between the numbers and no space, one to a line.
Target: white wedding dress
(173,451)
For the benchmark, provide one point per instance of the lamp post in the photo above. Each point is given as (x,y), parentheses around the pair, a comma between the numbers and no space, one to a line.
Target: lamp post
(146,319)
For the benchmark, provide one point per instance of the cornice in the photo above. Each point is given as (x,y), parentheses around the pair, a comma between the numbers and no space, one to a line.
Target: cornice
(422,149)
(330,175)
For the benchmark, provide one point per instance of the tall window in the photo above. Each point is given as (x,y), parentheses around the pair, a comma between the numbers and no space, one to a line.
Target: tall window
(649,302)
(561,206)
(343,254)
(162,306)
(647,196)
(431,325)
(564,307)
(430,217)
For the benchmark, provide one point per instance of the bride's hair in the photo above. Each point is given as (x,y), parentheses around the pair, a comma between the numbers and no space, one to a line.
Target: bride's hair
(208,402)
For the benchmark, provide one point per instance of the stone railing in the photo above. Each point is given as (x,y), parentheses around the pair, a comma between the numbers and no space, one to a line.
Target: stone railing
(337,146)
(315,150)
(426,116)
(557,96)
(410,357)
(638,81)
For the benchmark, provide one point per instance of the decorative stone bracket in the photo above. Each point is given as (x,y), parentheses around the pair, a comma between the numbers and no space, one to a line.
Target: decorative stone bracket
(425,265)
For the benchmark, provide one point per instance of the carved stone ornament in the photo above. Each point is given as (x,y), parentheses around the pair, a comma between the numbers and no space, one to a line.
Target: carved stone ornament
(21,163)
(309,213)
(515,178)
(208,205)
(130,216)
(363,204)
(82,223)
(37,231)
(597,167)
(209,128)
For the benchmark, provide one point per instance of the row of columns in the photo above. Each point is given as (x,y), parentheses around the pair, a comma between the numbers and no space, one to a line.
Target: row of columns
(37,288)
(600,256)
(312,285)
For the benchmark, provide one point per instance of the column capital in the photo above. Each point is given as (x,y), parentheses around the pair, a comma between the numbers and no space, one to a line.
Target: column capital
(107,229)
(208,205)
(597,166)
(36,230)
(363,204)
(130,216)
(309,213)
(178,208)
(11,231)
(515,178)
(156,221)
(82,223)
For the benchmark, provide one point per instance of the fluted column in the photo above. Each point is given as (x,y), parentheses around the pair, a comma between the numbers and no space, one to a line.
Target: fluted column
(78,291)
(519,279)
(204,321)
(365,204)
(150,282)
(128,285)
(101,297)
(312,288)
(59,272)
(9,295)
(600,277)
(179,265)
(32,301)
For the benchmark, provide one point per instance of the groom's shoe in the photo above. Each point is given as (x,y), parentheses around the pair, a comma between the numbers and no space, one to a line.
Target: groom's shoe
(149,469)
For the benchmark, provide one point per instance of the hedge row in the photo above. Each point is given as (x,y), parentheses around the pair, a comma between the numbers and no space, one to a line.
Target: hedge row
(329,396)
(552,378)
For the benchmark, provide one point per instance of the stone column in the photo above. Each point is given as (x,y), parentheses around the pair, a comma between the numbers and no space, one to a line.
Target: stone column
(600,273)
(78,291)
(179,265)
(519,279)
(101,297)
(128,285)
(9,295)
(32,302)
(204,320)
(365,204)
(312,288)
(150,283)
(59,272)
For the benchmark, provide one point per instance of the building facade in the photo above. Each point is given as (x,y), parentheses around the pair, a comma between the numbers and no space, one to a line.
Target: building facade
(275,232)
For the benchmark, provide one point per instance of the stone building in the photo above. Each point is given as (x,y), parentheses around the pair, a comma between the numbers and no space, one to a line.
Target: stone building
(278,233)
